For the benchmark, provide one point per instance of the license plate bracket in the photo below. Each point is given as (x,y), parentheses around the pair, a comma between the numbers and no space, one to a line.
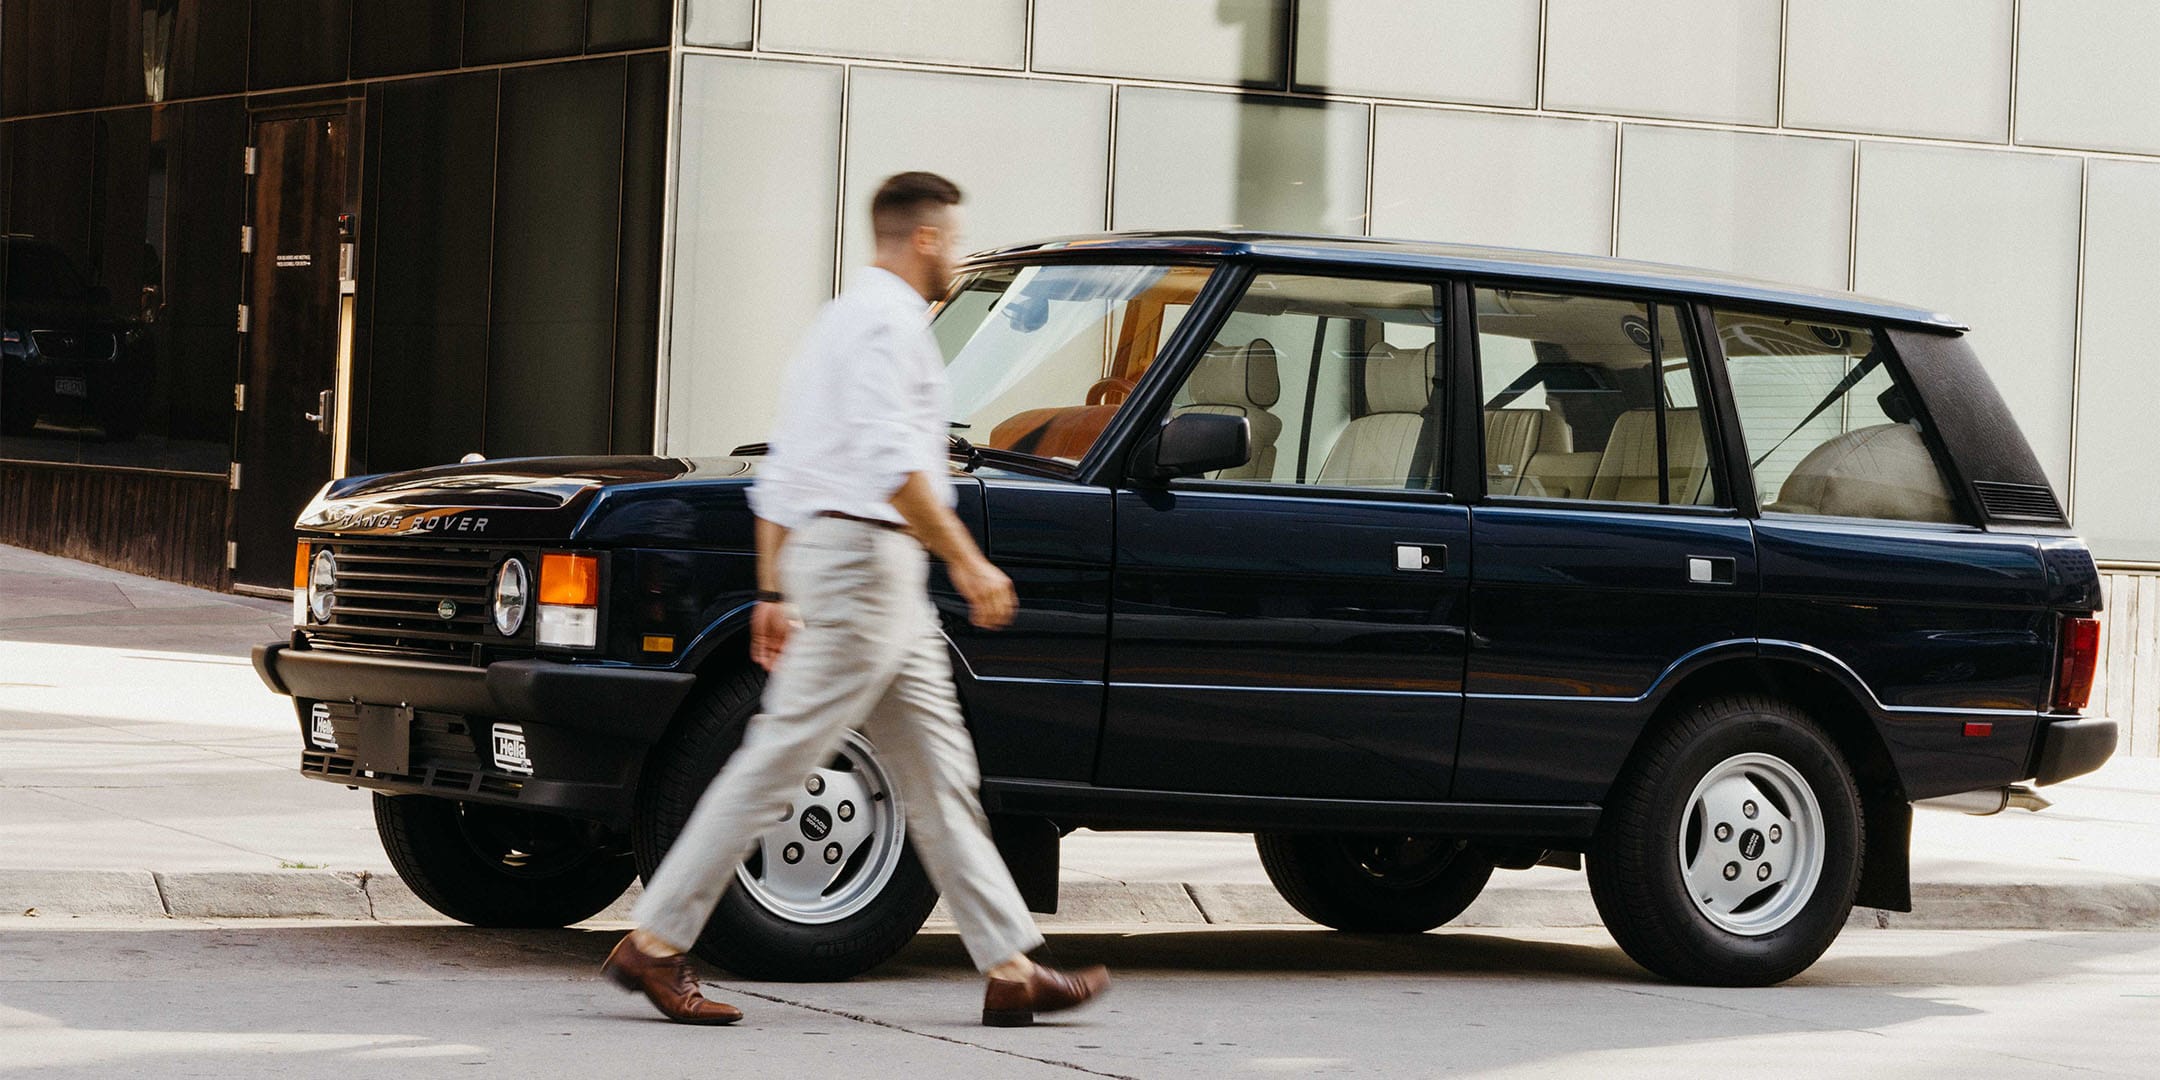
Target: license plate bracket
(385,742)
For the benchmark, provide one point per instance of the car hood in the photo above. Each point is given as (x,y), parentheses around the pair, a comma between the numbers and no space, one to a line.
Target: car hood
(673,502)
(505,499)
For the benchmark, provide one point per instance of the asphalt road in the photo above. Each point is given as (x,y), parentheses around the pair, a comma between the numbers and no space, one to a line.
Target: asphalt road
(183,999)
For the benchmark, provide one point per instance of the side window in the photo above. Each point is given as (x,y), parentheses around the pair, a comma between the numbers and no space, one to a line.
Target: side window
(1591,398)
(1338,377)
(1830,427)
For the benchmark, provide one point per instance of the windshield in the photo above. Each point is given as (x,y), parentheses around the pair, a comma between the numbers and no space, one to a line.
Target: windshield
(35,273)
(1039,358)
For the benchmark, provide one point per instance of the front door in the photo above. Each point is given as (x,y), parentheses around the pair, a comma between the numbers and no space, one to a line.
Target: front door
(289,405)
(1295,626)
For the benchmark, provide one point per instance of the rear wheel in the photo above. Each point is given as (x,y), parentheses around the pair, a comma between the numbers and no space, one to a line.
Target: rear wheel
(499,866)
(1731,851)
(1374,884)
(831,890)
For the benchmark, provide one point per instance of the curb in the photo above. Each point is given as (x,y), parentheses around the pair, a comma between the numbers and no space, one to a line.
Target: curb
(365,896)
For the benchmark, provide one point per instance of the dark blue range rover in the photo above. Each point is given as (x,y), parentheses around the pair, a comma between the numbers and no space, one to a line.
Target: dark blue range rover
(1413,561)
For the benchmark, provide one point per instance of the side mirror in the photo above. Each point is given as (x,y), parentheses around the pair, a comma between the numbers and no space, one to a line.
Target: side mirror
(1193,444)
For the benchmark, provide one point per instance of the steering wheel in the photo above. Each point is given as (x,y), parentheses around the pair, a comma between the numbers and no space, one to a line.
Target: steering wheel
(1111,391)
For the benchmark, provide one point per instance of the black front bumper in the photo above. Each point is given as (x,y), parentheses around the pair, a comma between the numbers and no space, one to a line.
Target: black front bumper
(2073,748)
(587,728)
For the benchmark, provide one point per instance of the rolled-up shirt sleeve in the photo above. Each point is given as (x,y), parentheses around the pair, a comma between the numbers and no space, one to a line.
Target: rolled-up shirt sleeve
(888,401)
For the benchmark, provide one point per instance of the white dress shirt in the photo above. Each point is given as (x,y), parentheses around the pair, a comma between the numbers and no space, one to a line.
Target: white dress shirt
(862,405)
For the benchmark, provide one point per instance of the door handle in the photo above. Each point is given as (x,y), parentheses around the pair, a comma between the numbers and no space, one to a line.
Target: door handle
(1421,558)
(1710,570)
(321,417)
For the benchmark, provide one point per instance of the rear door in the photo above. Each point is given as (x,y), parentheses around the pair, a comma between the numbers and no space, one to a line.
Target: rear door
(1294,626)
(1607,551)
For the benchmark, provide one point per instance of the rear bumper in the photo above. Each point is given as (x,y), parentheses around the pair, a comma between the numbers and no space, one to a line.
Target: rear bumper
(586,728)
(2073,748)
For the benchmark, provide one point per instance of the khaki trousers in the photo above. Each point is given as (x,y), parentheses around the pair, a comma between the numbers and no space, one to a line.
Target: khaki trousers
(869,657)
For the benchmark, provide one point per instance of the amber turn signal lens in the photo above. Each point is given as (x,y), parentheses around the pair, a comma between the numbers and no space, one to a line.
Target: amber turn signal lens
(570,579)
(300,565)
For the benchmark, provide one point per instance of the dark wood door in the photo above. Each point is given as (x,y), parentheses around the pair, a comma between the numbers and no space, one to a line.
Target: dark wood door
(289,414)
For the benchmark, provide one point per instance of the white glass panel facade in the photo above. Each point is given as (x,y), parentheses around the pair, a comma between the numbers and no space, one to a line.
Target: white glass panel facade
(1483,52)
(1686,59)
(727,24)
(1031,157)
(1201,160)
(1486,178)
(2086,74)
(1768,205)
(978,33)
(757,182)
(1234,42)
(2118,384)
(1991,238)
(1914,67)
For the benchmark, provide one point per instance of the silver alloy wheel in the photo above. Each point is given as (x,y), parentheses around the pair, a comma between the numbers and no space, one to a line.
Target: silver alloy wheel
(1751,844)
(837,846)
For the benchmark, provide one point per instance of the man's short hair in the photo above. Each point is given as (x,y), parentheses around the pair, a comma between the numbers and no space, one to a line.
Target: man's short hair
(904,198)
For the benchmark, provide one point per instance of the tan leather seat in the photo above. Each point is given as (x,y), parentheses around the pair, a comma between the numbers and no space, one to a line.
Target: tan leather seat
(1628,471)
(1055,432)
(1883,471)
(1377,448)
(1240,380)
(1511,439)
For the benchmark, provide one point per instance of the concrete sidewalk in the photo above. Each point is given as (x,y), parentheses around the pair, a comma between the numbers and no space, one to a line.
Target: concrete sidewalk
(145,771)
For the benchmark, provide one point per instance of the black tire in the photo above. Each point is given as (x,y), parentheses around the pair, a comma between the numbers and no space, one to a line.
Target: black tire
(499,866)
(1637,876)
(1374,884)
(744,936)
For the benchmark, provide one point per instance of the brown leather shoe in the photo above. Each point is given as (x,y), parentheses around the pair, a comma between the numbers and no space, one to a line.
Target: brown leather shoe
(667,983)
(1014,1003)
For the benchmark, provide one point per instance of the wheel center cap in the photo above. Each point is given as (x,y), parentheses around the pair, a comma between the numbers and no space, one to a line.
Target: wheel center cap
(817,822)
(1751,844)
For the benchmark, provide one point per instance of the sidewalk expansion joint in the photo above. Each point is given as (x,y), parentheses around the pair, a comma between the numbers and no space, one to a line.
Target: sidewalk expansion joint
(1193,895)
(157,881)
(905,1030)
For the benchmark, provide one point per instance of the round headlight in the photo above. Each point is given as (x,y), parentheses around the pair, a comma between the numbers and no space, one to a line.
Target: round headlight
(512,590)
(322,584)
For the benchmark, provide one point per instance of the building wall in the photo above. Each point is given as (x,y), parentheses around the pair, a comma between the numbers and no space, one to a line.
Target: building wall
(1995,159)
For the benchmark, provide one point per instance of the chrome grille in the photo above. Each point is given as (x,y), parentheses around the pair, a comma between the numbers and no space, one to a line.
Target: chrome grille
(389,597)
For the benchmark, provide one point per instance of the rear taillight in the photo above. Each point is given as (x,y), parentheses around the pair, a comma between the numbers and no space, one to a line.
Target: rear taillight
(2079,655)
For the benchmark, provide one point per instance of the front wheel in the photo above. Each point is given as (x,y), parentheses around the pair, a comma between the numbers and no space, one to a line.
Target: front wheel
(1731,851)
(831,889)
(498,866)
(1374,884)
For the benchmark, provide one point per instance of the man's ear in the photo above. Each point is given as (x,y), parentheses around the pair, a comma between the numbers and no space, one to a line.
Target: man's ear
(928,240)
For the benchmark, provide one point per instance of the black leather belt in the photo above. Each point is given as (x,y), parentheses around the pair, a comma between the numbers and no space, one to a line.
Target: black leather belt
(893,525)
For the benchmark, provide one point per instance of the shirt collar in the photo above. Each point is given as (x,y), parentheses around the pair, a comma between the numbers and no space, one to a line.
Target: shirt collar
(877,279)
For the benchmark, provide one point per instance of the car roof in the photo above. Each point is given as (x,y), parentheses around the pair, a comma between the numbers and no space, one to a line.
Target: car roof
(1476,260)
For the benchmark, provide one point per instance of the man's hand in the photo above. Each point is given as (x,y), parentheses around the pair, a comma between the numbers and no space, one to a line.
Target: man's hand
(988,591)
(770,625)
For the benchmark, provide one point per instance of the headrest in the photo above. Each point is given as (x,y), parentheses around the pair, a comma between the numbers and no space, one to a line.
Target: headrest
(1398,380)
(1239,375)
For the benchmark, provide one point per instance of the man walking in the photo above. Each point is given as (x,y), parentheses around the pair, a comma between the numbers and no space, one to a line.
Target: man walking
(851,493)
